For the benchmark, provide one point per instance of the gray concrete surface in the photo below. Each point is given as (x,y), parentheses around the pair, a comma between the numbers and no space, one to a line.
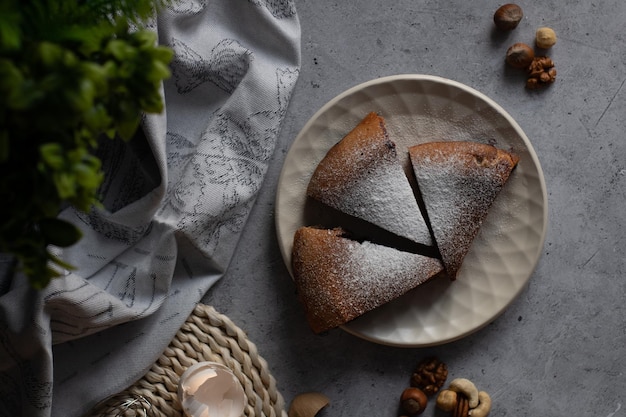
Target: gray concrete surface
(559,349)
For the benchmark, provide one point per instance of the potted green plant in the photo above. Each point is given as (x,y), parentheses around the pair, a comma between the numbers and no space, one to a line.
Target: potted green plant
(71,73)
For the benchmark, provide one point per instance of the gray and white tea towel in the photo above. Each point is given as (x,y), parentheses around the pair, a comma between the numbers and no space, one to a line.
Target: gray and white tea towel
(176,202)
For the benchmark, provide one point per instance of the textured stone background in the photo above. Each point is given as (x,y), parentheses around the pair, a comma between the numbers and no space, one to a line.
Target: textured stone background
(560,348)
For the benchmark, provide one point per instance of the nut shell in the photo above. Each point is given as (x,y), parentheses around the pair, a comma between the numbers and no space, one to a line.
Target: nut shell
(520,55)
(508,16)
(307,404)
(413,401)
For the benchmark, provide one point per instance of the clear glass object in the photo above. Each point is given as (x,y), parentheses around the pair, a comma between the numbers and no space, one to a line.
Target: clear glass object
(210,389)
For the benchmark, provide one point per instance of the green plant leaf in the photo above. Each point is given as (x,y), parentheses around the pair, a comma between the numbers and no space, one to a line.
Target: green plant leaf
(71,72)
(120,50)
(65,184)
(60,262)
(52,155)
(50,54)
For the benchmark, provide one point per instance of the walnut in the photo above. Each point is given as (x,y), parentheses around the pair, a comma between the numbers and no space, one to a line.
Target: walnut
(429,375)
(541,72)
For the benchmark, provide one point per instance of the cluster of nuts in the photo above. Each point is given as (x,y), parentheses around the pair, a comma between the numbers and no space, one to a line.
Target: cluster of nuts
(540,69)
(463,399)
(426,380)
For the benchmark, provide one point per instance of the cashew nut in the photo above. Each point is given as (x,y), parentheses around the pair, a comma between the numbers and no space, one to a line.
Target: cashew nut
(467,387)
(484,405)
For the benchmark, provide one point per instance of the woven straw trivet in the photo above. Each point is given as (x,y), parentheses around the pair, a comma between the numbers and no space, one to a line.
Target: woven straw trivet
(206,336)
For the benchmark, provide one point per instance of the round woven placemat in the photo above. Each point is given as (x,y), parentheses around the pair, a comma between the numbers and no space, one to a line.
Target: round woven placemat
(206,335)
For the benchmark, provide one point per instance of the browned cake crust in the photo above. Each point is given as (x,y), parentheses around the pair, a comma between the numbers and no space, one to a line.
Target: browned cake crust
(346,161)
(459,182)
(362,176)
(339,279)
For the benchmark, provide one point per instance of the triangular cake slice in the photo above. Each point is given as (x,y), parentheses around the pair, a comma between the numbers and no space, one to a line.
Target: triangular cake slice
(339,279)
(362,176)
(458,182)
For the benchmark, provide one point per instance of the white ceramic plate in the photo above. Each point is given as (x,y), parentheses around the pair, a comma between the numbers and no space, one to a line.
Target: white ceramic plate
(420,108)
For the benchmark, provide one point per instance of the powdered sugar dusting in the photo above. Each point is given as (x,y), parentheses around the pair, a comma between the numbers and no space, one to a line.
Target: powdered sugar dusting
(382,196)
(339,279)
(361,176)
(459,182)
(377,274)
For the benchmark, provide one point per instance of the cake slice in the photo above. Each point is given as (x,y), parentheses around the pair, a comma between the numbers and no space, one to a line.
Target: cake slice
(458,182)
(339,279)
(362,176)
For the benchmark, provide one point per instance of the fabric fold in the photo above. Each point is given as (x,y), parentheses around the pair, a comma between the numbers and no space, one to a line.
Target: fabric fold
(175,202)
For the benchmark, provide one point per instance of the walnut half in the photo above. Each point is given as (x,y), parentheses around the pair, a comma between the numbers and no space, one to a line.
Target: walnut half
(541,72)
(429,376)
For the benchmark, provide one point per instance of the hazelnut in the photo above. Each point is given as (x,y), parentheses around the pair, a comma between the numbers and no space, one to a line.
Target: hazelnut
(508,16)
(519,55)
(446,400)
(545,38)
(413,401)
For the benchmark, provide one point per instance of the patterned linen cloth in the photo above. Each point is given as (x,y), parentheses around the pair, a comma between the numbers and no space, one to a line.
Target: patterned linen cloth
(176,203)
